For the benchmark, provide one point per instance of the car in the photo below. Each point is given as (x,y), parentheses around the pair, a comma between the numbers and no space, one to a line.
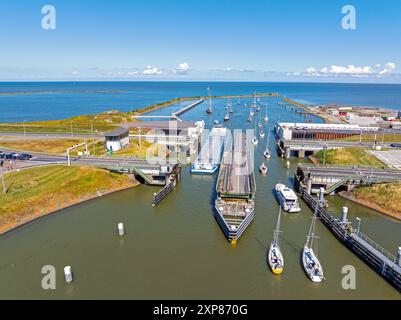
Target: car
(11,156)
(2,155)
(24,156)
(395,145)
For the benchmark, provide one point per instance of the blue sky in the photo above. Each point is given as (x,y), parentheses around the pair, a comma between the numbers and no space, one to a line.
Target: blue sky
(286,40)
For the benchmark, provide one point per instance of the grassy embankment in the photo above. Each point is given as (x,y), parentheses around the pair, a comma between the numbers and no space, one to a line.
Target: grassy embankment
(35,192)
(102,122)
(80,124)
(370,138)
(385,198)
(51,146)
(348,157)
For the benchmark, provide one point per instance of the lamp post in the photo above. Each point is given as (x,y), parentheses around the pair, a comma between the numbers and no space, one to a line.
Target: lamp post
(23,123)
(2,176)
(324,156)
(359,224)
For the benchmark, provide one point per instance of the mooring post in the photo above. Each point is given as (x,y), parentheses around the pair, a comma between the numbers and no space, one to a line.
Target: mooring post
(68,274)
(399,256)
(344,215)
(321,196)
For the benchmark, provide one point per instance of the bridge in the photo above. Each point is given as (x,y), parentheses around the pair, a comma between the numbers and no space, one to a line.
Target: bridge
(312,178)
(302,148)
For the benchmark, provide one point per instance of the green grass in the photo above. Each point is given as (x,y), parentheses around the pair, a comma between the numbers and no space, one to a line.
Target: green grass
(386,196)
(371,138)
(51,146)
(348,157)
(41,190)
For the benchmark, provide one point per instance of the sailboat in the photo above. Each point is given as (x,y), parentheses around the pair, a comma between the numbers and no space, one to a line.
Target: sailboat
(261,134)
(310,262)
(250,118)
(209,110)
(263,169)
(275,256)
(255,140)
(267,153)
(227,116)
(266,118)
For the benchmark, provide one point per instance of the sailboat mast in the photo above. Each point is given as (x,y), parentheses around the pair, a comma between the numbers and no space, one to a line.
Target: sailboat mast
(277,231)
(210,100)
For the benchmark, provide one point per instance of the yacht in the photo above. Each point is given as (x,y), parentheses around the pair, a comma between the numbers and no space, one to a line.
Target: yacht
(275,256)
(204,168)
(267,153)
(209,109)
(227,117)
(310,262)
(262,134)
(263,169)
(287,198)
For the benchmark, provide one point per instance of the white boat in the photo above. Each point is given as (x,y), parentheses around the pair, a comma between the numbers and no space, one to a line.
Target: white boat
(255,141)
(266,118)
(275,257)
(267,153)
(202,168)
(209,110)
(216,122)
(263,169)
(259,125)
(310,262)
(261,134)
(287,198)
(227,117)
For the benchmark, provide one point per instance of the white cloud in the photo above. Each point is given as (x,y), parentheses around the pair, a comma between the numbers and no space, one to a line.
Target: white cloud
(151,71)
(182,68)
(388,68)
(352,70)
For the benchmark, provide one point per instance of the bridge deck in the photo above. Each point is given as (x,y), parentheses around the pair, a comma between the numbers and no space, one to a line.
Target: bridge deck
(236,178)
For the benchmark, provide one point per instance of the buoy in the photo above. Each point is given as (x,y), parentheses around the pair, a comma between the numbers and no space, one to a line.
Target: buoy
(399,256)
(288,164)
(121,230)
(68,274)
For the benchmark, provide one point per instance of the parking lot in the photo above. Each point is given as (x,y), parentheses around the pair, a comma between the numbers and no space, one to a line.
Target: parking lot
(392,158)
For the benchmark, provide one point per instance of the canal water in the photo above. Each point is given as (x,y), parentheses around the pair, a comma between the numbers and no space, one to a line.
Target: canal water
(177,250)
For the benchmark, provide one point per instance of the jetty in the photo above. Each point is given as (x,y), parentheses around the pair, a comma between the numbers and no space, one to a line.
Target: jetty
(236,188)
(379,259)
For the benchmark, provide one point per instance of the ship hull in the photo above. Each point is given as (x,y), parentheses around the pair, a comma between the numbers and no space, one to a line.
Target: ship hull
(233,235)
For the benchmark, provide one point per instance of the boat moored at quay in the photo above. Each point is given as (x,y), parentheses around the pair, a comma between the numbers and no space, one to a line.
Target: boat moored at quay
(236,188)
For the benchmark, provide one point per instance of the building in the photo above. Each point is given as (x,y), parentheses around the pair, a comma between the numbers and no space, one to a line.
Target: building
(117,139)
(399,115)
(178,136)
(319,131)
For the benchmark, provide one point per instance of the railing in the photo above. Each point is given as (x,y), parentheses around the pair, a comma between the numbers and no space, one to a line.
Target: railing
(375,245)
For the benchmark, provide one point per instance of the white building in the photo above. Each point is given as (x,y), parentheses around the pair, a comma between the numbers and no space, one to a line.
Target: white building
(117,139)
(319,131)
